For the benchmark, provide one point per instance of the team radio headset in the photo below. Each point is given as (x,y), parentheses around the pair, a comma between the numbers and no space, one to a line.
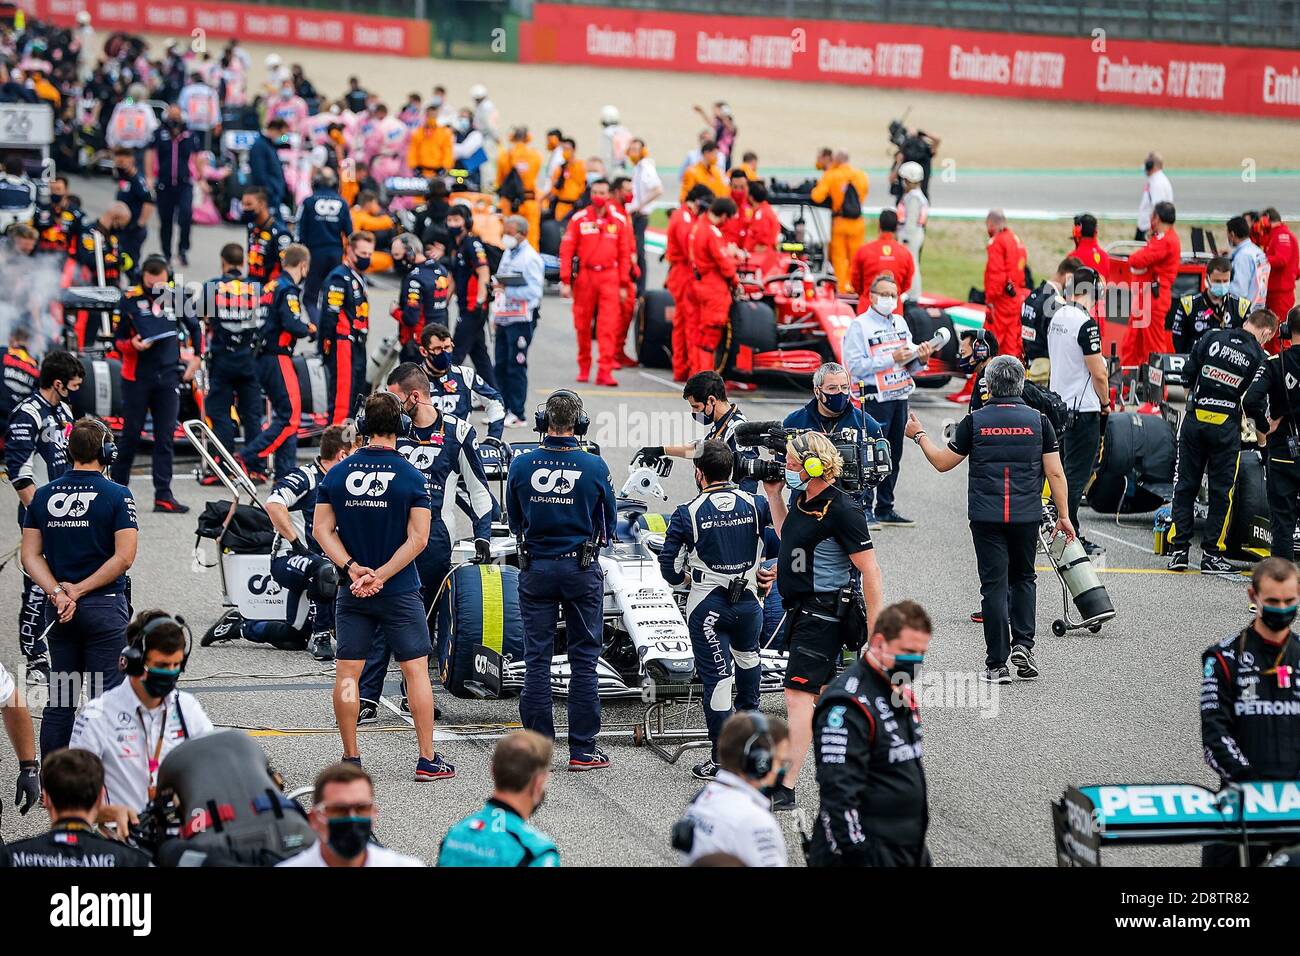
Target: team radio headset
(588,550)
(755,763)
(131,663)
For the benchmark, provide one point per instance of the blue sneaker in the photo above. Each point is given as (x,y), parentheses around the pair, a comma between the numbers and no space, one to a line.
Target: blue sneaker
(356,760)
(872,521)
(435,769)
(593,759)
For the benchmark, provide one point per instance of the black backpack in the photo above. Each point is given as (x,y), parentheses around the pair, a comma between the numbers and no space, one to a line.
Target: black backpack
(851,207)
(247,531)
(512,189)
(1050,404)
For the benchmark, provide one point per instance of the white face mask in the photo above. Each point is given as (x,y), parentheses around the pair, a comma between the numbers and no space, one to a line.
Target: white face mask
(509,242)
(885,304)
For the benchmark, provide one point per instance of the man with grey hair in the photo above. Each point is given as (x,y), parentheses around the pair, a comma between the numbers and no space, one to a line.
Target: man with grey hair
(1011,447)
(833,413)
(517,291)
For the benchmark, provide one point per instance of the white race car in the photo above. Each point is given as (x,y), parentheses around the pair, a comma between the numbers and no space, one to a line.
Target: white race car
(646,652)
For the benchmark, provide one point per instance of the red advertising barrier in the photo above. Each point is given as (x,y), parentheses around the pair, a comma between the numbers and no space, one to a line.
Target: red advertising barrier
(1178,76)
(323,29)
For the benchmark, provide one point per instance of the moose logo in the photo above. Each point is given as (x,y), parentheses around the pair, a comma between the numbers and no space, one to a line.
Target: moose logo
(369,484)
(560,480)
(71,505)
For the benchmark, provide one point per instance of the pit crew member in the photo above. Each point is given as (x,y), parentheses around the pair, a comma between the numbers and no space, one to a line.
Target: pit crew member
(36,441)
(1191,316)
(733,814)
(231,362)
(1250,700)
(596,261)
(706,394)
(426,291)
(268,237)
(135,725)
(1220,369)
(868,745)
(454,387)
(560,505)
(344,326)
(1272,402)
(1036,316)
(717,541)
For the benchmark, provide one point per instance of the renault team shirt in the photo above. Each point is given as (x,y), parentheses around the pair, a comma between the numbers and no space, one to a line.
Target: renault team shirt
(79,516)
(372,493)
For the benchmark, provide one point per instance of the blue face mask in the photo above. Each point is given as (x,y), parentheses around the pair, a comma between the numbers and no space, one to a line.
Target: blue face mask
(836,403)
(440,362)
(1219,289)
(795,479)
(907,664)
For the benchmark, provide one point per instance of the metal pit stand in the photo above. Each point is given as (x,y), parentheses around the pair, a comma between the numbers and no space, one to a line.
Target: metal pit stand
(665,727)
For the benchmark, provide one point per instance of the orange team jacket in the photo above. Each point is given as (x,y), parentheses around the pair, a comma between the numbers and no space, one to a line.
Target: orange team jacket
(601,241)
(431,148)
(885,254)
(1160,257)
(526,160)
(569,185)
(1005,263)
(835,181)
(710,176)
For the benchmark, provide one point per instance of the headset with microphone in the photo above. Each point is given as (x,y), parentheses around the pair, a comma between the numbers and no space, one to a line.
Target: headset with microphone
(756,758)
(813,465)
(404,427)
(542,421)
(107,453)
(131,660)
(980,349)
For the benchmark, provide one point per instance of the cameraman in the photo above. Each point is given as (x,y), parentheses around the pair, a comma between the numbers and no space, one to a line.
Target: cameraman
(826,550)
(721,535)
(706,394)
(732,814)
(832,413)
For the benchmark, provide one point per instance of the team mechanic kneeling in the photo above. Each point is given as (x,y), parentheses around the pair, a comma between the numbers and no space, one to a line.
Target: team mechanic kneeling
(826,551)
(297,564)
(721,532)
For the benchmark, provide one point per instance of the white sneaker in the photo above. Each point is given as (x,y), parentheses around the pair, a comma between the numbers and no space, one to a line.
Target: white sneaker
(514,421)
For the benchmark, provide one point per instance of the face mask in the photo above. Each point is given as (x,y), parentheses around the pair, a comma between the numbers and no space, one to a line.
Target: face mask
(599,201)
(509,242)
(836,403)
(703,417)
(885,304)
(436,101)
(1277,618)
(248,217)
(122,173)
(795,479)
(440,362)
(1219,289)
(158,683)
(361,263)
(966,363)
(348,836)
(738,196)
(907,664)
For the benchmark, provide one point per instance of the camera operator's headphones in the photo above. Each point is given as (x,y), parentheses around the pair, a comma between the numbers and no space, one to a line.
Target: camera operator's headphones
(131,660)
(542,421)
(980,350)
(756,758)
(107,453)
(812,463)
(404,426)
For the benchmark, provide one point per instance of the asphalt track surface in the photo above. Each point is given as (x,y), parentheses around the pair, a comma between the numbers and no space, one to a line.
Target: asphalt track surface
(1120,706)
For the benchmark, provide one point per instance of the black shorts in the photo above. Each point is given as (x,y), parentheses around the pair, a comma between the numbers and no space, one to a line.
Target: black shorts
(816,649)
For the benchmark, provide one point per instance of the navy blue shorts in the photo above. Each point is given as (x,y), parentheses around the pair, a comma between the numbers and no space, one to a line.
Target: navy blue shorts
(398,617)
